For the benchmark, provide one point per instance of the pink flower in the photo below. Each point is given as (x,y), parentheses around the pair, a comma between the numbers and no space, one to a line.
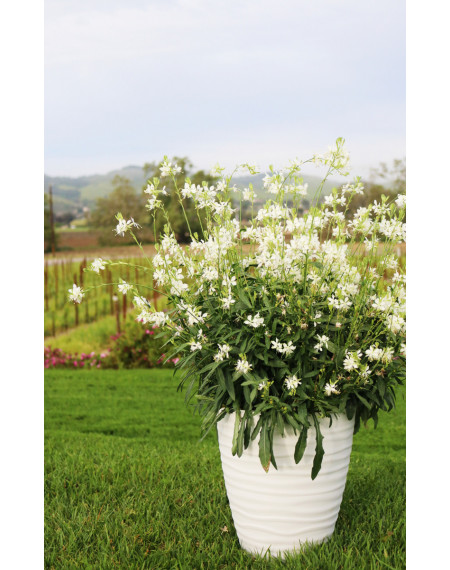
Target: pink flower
(175,360)
(75,363)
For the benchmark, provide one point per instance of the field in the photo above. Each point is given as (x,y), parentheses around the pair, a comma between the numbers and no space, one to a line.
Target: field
(101,301)
(128,485)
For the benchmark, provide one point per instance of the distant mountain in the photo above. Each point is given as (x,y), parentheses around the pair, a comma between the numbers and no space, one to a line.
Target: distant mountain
(74,194)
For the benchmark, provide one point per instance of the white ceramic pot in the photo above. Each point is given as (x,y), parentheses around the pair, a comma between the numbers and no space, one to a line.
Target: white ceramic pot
(283,509)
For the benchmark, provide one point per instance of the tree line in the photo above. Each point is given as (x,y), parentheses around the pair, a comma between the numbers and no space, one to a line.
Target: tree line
(387,179)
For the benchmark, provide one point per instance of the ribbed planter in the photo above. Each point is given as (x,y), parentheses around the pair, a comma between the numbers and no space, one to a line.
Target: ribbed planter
(283,509)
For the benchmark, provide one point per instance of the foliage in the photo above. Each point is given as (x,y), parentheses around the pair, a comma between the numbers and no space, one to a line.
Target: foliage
(127,484)
(123,198)
(134,347)
(287,319)
(394,177)
(138,347)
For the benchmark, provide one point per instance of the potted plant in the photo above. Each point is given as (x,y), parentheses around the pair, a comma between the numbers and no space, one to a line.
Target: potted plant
(289,326)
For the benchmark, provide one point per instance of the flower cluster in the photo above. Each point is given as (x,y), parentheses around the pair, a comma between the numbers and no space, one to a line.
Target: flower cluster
(292,315)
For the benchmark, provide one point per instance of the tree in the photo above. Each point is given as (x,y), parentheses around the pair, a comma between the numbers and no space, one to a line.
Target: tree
(171,200)
(394,177)
(48,233)
(124,199)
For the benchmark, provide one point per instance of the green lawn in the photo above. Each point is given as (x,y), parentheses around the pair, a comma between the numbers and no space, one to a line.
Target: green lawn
(128,485)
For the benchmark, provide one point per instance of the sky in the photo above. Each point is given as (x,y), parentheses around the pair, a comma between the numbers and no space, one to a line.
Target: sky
(266,81)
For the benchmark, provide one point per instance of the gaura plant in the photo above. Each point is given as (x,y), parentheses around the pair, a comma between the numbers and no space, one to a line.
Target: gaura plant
(290,316)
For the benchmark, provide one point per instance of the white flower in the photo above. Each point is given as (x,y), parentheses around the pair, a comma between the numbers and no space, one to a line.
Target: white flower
(76,294)
(167,168)
(401,201)
(262,385)
(140,302)
(277,345)
(292,382)
(382,304)
(388,354)
(124,287)
(317,316)
(323,341)
(227,302)
(365,371)
(97,265)
(243,366)
(195,346)
(330,388)
(288,348)
(351,361)
(124,225)
(255,321)
(248,194)
(395,323)
(223,353)
(153,203)
(158,318)
(374,353)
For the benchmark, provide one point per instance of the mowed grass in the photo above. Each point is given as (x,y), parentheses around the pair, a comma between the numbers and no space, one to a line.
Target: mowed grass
(128,485)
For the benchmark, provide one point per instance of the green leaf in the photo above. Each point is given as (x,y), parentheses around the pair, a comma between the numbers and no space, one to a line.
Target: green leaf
(311,374)
(248,431)
(302,415)
(301,444)
(257,428)
(292,422)
(264,447)
(363,400)
(221,379)
(244,299)
(272,455)
(320,452)
(240,439)
(228,382)
(280,423)
(350,408)
(237,420)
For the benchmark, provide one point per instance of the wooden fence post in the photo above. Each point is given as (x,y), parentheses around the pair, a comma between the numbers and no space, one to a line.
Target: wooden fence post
(46,285)
(75,304)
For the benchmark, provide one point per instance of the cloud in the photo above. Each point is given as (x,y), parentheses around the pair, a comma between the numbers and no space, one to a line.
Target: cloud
(144,77)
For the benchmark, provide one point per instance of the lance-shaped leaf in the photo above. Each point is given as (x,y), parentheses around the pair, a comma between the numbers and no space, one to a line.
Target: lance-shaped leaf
(264,447)
(300,446)
(317,463)
(237,420)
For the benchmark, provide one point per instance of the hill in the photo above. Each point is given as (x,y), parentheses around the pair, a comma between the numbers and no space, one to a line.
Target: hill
(74,194)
